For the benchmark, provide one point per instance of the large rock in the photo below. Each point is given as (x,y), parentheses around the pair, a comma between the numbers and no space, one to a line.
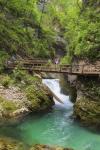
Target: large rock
(10,144)
(87,102)
(16,102)
(88,111)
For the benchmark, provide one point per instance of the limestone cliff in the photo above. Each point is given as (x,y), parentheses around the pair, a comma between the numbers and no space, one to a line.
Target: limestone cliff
(87,105)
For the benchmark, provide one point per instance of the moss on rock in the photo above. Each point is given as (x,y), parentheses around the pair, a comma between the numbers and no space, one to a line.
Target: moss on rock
(39,98)
(9,106)
(87,105)
(23,96)
(88,111)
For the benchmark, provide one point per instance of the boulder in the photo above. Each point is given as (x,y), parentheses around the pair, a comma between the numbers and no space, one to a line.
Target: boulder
(16,103)
(88,111)
(10,144)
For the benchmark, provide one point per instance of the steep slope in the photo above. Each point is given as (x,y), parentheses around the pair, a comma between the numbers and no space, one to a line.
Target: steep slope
(82,30)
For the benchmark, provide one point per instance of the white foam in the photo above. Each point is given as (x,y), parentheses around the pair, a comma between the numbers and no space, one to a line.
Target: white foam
(54,85)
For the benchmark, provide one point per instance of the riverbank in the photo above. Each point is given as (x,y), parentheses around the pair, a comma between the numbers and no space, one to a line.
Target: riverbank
(21,94)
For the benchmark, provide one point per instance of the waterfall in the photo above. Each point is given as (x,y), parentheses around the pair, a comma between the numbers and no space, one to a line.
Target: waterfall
(54,86)
(55,127)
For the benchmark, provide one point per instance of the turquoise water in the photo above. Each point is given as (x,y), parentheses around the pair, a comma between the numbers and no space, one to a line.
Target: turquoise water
(56,127)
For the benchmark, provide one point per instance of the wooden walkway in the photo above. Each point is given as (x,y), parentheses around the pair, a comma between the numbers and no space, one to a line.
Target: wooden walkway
(44,66)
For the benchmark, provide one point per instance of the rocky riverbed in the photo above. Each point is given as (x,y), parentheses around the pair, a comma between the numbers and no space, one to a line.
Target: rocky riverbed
(10,144)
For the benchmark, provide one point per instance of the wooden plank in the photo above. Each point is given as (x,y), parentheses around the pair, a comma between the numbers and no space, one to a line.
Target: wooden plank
(39,65)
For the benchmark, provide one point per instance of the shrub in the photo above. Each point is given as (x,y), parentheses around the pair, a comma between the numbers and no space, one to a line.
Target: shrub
(3,58)
(19,74)
(5,81)
(66,60)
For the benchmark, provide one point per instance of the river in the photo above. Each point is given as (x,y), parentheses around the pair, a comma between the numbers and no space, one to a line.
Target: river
(56,127)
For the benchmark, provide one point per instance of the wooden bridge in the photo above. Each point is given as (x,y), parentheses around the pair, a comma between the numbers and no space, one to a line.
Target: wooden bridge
(44,66)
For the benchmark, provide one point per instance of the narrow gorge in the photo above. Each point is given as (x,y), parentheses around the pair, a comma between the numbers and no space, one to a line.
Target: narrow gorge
(49,74)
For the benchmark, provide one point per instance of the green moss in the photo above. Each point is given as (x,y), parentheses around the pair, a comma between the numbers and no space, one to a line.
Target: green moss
(31,96)
(1,99)
(88,111)
(8,106)
(38,98)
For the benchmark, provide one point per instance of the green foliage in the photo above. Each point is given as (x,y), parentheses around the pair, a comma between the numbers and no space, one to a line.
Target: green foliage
(5,81)
(82,31)
(66,60)
(18,19)
(18,74)
(24,30)
(21,75)
(3,58)
(8,105)
(32,97)
(38,97)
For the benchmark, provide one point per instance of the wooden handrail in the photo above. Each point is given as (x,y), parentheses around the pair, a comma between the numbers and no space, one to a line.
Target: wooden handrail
(44,66)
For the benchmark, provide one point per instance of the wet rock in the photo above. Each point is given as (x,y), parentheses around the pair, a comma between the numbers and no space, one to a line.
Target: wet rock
(46,147)
(11,144)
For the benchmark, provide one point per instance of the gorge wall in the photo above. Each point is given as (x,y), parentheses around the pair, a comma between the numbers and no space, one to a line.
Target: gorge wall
(86,92)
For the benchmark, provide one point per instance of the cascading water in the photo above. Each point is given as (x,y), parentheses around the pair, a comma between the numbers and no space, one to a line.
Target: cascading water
(56,127)
(55,87)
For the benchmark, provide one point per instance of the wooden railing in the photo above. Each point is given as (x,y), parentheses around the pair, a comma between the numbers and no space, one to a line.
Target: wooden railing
(44,66)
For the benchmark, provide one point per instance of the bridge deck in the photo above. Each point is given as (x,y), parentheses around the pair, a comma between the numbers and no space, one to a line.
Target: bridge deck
(43,66)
